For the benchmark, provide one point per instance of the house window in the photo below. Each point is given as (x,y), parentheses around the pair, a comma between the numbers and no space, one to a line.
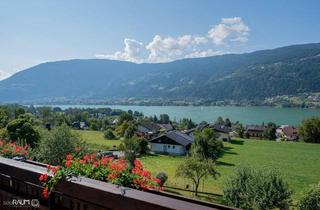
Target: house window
(173,147)
(168,146)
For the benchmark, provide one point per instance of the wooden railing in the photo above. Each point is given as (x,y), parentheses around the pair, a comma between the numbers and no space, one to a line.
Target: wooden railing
(19,181)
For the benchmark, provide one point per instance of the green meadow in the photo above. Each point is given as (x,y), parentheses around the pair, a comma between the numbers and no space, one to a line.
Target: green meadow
(299,163)
(96,140)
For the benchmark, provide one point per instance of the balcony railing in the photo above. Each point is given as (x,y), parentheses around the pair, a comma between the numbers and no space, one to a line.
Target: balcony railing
(19,180)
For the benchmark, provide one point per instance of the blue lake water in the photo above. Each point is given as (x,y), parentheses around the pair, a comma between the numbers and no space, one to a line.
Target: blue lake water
(246,115)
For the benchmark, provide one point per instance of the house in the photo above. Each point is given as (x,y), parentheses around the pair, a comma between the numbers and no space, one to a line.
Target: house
(79,125)
(222,131)
(255,130)
(147,129)
(166,127)
(287,132)
(172,142)
(115,121)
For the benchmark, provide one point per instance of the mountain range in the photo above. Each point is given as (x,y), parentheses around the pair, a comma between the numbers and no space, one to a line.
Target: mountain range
(249,76)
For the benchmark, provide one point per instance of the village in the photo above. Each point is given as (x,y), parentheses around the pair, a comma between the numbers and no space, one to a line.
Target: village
(166,139)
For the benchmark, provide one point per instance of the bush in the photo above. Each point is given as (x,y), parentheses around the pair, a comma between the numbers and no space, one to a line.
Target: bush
(162,177)
(55,144)
(108,134)
(254,189)
(311,200)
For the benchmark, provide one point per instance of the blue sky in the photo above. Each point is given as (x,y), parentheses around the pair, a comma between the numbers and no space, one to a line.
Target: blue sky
(36,31)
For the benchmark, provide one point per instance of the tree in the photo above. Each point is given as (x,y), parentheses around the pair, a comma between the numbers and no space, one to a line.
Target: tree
(187,124)
(46,114)
(311,200)
(129,131)
(126,129)
(18,111)
(164,119)
(270,131)
(124,116)
(58,142)
(132,147)
(155,119)
(220,120)
(4,118)
(196,169)
(206,145)
(95,124)
(240,130)
(105,123)
(228,122)
(108,134)
(257,189)
(61,119)
(22,129)
(309,130)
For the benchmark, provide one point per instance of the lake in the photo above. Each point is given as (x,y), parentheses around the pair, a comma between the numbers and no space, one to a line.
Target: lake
(246,115)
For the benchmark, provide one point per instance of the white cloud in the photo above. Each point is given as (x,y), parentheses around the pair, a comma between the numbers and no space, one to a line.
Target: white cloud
(169,48)
(230,29)
(133,50)
(164,49)
(4,74)
(204,53)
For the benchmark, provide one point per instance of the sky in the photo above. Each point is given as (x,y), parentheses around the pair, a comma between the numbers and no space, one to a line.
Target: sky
(37,31)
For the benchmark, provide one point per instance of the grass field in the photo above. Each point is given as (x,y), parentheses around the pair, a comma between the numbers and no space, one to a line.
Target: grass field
(96,140)
(299,163)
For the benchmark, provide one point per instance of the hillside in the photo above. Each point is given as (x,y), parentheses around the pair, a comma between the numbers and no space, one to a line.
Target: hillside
(287,70)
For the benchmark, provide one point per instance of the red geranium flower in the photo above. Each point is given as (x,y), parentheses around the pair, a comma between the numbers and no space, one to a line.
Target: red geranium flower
(45,192)
(43,177)
(68,163)
(69,157)
(137,163)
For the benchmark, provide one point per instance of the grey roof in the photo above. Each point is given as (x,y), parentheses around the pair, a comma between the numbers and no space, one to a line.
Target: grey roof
(202,125)
(150,125)
(166,127)
(255,128)
(220,128)
(180,137)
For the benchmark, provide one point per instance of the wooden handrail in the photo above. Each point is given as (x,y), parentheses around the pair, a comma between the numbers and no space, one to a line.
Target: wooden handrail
(101,195)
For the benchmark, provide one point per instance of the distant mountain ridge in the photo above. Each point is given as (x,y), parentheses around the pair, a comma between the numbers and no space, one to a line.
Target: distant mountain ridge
(266,73)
